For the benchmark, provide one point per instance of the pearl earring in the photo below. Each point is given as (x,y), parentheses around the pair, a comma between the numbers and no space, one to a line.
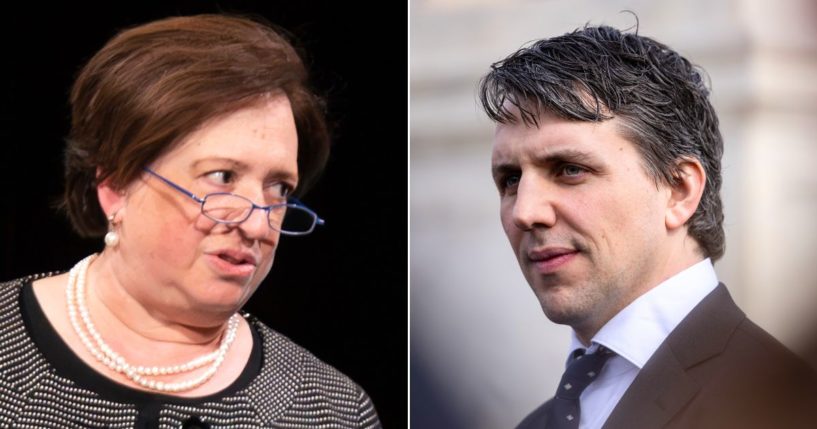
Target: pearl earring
(111,238)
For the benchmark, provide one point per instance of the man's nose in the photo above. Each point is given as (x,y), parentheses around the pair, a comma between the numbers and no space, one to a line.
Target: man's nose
(534,203)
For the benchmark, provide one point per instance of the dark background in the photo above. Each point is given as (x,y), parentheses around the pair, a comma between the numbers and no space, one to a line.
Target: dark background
(341,292)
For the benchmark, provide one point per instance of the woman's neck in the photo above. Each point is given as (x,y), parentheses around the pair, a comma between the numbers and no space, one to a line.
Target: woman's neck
(115,305)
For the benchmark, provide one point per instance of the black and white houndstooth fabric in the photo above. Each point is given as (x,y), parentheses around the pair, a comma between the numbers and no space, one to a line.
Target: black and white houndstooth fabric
(293,389)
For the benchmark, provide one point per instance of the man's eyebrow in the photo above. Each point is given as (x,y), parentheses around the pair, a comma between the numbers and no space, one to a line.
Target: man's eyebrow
(549,158)
(501,169)
(568,155)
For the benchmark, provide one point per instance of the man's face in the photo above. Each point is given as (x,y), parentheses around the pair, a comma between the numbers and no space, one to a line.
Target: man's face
(585,220)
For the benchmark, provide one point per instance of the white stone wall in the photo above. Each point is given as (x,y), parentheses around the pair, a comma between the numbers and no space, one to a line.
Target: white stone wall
(473,317)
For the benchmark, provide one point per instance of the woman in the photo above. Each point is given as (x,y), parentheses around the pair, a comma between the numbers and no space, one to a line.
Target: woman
(189,137)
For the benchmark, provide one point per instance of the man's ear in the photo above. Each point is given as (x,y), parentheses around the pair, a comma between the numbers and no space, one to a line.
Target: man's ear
(110,199)
(685,192)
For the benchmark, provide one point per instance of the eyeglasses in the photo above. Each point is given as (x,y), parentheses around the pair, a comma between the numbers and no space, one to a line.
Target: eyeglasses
(290,217)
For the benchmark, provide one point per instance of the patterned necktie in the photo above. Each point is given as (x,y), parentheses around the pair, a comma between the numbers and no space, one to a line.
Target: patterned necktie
(582,370)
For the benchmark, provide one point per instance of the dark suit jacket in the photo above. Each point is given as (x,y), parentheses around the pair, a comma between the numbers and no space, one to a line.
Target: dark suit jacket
(717,369)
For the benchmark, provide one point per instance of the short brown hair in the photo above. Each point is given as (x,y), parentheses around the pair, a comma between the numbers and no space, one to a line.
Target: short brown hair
(152,85)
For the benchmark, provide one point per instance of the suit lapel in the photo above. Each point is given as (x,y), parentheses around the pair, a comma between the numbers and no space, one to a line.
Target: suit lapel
(664,386)
(659,391)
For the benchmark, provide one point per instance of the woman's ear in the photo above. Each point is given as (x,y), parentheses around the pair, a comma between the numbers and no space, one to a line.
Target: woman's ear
(110,199)
(685,192)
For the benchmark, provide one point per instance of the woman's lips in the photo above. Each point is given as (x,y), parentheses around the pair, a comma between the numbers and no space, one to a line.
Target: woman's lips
(551,260)
(229,267)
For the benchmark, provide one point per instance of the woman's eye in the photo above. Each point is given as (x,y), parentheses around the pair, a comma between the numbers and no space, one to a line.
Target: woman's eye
(279,190)
(221,177)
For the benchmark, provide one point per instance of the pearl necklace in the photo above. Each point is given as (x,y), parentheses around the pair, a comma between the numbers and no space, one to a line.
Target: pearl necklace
(75,295)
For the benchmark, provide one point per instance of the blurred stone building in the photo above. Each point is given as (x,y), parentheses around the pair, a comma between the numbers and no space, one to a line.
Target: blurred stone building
(481,347)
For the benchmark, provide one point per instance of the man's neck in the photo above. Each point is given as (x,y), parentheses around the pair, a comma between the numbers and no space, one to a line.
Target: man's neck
(679,256)
(672,267)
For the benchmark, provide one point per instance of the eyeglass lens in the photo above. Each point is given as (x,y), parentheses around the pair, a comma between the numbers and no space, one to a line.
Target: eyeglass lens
(234,208)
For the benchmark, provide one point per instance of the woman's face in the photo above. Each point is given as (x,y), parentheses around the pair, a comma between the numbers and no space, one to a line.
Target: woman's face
(174,259)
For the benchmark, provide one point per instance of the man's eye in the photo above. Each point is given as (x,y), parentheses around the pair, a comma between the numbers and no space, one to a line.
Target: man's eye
(221,177)
(571,170)
(508,184)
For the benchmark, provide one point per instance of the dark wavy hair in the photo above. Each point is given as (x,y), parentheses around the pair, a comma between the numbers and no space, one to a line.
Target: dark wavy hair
(597,73)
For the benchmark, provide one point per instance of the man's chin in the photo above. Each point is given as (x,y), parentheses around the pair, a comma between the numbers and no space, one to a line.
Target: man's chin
(562,316)
(560,306)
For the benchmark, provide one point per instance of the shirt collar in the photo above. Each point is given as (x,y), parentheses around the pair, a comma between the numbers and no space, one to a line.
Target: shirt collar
(637,330)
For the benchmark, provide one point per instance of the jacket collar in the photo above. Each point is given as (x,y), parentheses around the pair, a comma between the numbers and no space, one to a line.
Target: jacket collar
(663,386)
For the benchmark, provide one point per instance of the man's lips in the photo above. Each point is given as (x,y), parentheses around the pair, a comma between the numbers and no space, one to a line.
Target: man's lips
(549,260)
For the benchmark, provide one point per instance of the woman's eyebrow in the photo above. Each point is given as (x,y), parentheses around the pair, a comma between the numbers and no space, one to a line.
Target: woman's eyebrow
(235,164)
(242,167)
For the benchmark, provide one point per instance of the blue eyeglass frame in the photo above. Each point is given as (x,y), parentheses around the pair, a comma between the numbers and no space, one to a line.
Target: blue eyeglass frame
(292,202)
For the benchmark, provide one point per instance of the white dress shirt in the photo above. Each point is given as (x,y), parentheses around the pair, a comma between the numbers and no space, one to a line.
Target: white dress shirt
(635,333)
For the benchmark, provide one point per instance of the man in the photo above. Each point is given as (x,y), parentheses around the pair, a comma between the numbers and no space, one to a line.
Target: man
(607,160)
